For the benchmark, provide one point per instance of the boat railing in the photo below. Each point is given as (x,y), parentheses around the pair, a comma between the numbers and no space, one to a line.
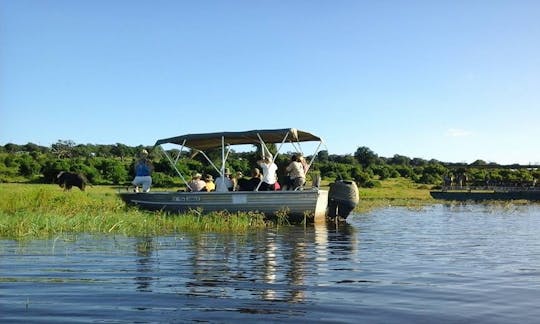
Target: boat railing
(490,188)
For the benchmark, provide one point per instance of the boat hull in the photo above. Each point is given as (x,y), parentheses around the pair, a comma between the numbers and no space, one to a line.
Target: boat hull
(533,195)
(296,204)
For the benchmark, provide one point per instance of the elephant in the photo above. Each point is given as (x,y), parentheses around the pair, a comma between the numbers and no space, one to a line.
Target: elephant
(67,180)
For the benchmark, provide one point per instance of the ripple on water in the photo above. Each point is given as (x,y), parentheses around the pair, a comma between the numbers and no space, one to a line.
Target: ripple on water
(443,263)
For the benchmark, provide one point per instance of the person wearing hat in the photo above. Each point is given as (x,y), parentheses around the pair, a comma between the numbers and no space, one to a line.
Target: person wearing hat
(143,172)
(224,182)
(196,183)
(210,185)
(236,180)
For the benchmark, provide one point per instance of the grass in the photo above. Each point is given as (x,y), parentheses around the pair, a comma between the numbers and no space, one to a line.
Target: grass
(30,211)
(34,211)
(394,192)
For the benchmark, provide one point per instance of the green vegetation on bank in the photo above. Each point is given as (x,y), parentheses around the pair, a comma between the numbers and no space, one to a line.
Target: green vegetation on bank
(394,192)
(113,165)
(34,211)
(44,210)
(29,211)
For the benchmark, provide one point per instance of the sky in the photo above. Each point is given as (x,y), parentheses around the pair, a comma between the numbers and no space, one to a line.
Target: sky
(455,80)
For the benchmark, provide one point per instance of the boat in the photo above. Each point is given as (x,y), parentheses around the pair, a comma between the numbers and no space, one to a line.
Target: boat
(308,203)
(464,193)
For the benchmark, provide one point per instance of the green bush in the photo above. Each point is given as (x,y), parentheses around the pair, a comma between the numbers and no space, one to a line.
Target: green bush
(372,184)
(160,179)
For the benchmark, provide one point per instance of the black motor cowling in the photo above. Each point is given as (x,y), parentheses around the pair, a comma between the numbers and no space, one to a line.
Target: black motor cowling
(342,198)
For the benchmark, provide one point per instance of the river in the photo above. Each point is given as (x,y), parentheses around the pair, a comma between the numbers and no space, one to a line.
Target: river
(450,263)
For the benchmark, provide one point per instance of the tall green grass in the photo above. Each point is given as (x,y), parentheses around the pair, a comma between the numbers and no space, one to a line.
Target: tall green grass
(34,211)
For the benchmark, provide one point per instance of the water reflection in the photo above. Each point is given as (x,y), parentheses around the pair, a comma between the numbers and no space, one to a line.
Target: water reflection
(144,248)
(342,238)
(466,263)
(271,265)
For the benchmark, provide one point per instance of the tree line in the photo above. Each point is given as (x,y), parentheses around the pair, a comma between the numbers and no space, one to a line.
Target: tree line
(113,165)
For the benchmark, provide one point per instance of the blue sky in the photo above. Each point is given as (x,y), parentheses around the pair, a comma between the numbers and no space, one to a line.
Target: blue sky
(451,80)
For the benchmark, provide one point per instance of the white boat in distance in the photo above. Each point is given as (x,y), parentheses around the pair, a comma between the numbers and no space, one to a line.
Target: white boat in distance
(309,203)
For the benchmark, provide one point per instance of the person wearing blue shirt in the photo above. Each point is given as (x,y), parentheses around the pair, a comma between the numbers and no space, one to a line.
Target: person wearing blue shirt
(143,173)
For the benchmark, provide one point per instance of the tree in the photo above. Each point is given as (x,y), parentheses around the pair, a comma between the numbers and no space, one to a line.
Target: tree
(12,148)
(432,173)
(28,167)
(418,162)
(34,148)
(365,156)
(383,171)
(63,149)
(113,171)
(121,151)
(52,167)
(322,156)
(479,162)
(400,160)
(404,171)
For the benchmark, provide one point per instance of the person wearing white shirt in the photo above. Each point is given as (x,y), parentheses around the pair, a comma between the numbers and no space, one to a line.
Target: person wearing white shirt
(269,170)
(224,183)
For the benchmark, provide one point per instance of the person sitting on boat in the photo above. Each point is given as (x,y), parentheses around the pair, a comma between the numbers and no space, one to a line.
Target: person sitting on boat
(297,177)
(143,171)
(196,184)
(252,183)
(237,179)
(210,185)
(277,186)
(224,183)
(269,170)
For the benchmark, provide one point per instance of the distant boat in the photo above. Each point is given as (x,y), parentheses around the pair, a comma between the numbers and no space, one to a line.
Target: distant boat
(309,203)
(464,193)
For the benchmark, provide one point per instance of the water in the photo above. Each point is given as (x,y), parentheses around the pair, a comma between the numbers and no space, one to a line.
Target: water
(441,263)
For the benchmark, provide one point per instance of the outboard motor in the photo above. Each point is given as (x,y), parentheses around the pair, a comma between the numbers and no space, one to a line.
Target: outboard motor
(342,198)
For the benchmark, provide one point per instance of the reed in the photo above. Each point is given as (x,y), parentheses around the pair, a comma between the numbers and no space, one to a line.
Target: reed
(35,211)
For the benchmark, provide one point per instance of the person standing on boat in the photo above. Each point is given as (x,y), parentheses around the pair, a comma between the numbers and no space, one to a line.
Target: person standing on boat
(224,183)
(269,170)
(143,172)
(297,176)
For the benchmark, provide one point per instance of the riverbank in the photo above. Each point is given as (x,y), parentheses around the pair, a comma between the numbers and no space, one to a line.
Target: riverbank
(394,192)
(32,210)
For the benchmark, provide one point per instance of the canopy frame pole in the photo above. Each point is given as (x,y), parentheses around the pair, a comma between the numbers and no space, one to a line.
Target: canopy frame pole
(173,164)
(224,156)
(180,152)
(313,156)
(209,160)
(264,147)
